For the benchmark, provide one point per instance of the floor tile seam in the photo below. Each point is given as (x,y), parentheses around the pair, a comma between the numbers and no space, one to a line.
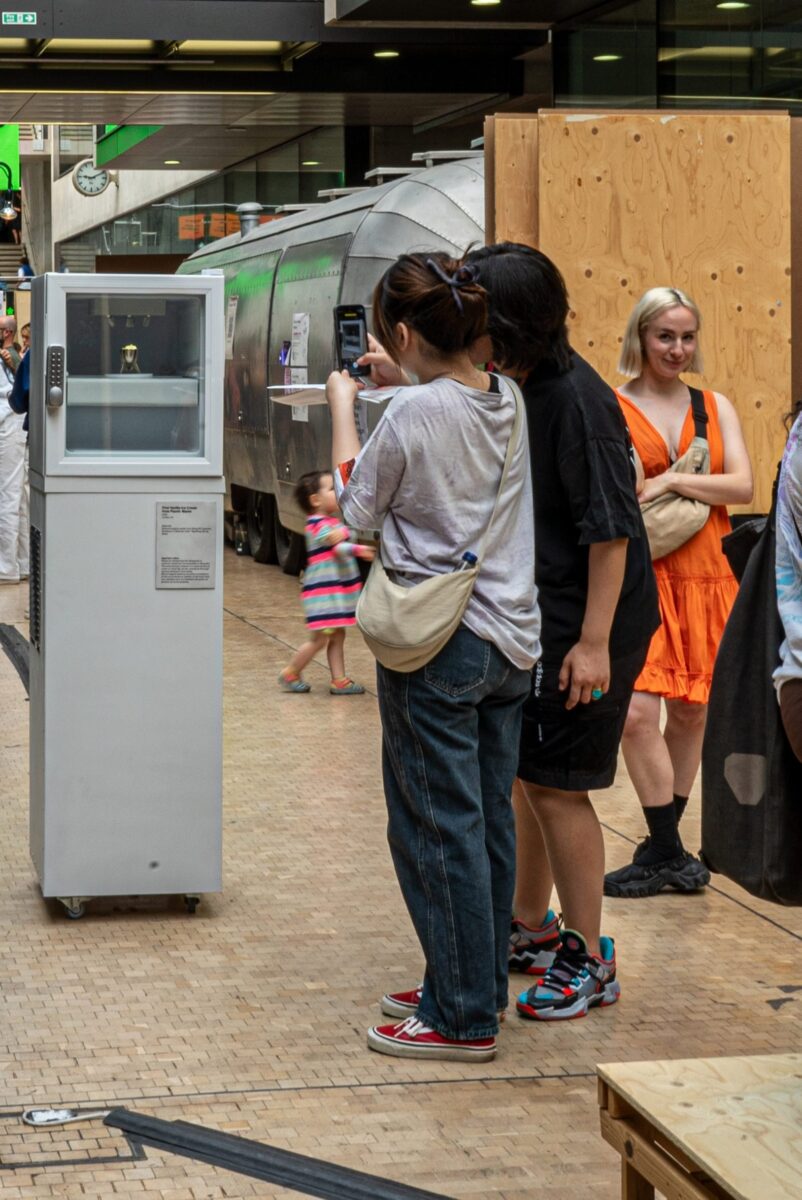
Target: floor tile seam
(719,891)
(281,642)
(372,1085)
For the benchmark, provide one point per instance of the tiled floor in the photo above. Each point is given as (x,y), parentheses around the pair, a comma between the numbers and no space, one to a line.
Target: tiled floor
(250,1015)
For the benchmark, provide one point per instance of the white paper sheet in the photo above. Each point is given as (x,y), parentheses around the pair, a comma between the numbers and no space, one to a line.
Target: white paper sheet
(299,349)
(315,393)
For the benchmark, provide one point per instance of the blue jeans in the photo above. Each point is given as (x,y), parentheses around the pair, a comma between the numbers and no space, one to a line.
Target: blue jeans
(450,749)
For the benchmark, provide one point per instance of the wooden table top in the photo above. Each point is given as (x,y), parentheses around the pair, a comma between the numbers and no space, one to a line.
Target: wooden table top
(739,1119)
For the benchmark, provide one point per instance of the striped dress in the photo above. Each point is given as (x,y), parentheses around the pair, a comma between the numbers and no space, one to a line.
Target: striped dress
(331,582)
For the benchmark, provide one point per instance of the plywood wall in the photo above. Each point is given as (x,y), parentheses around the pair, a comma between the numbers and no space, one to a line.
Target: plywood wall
(701,201)
(515,179)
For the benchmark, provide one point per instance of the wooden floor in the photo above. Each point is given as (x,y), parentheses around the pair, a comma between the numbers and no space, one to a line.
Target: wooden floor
(250,1016)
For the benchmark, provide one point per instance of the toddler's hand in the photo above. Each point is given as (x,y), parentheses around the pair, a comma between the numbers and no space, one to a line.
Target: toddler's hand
(368,553)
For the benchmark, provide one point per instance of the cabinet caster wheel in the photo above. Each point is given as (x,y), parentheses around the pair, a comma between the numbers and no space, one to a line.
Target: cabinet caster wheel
(192,903)
(75,912)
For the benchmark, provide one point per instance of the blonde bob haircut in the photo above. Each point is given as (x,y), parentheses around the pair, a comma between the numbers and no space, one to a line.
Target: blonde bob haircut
(650,305)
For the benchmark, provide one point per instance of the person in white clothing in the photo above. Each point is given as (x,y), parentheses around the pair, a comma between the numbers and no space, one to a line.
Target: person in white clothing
(14,533)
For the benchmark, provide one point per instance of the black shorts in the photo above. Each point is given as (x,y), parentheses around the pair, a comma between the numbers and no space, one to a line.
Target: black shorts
(575,750)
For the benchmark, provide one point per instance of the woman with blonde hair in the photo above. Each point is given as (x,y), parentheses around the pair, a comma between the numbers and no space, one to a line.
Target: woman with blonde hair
(695,586)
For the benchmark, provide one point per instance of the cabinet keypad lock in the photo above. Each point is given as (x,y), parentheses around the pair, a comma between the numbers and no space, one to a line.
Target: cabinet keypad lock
(54,377)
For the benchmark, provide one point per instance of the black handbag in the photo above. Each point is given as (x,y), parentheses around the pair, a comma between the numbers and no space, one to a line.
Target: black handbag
(751,779)
(739,543)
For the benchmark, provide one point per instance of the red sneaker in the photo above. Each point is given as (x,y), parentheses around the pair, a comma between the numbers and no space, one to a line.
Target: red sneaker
(405,1004)
(402,1004)
(413,1039)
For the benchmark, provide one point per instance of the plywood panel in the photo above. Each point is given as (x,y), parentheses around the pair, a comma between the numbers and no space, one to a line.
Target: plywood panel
(796,257)
(516,179)
(737,1119)
(698,201)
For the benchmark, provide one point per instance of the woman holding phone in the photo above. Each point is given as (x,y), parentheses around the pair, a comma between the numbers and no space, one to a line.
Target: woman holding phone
(428,478)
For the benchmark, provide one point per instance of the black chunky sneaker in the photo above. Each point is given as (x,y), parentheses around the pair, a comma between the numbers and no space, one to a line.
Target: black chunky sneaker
(683,873)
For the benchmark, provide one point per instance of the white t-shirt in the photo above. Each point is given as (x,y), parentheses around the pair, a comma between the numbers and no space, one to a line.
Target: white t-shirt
(428,478)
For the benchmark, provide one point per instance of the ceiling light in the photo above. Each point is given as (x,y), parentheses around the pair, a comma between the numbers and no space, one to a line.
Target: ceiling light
(484,3)
(733,4)
(172,162)
(606,57)
(385,54)
(310,162)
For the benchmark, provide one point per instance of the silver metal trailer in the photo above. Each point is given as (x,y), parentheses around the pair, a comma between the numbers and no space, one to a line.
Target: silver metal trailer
(308,262)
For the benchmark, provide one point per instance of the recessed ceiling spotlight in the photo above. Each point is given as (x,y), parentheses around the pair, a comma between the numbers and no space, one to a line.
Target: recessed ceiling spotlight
(172,162)
(606,57)
(310,162)
(733,4)
(385,54)
(484,3)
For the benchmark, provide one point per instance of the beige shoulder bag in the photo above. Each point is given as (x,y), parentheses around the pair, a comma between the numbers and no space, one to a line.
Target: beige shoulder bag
(405,627)
(671,520)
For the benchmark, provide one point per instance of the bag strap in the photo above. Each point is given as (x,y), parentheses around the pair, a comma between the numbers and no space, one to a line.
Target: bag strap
(700,417)
(511,447)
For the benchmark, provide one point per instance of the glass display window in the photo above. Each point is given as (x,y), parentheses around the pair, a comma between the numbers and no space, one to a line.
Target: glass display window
(135,375)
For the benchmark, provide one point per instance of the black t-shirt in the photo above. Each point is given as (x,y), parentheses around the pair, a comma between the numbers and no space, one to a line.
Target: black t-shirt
(583,477)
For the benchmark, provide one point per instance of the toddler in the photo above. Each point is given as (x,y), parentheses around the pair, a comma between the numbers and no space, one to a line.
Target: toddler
(330,586)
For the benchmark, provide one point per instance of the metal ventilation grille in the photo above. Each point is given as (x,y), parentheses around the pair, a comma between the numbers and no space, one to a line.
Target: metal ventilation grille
(36,588)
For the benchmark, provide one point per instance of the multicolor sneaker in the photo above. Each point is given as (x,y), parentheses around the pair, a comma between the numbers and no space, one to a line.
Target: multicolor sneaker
(685,873)
(413,1039)
(576,982)
(532,950)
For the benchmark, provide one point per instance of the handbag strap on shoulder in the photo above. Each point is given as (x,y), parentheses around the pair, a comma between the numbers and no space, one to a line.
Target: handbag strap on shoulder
(700,417)
(511,446)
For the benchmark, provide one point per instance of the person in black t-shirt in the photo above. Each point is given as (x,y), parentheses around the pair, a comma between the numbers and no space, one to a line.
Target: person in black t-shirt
(599,607)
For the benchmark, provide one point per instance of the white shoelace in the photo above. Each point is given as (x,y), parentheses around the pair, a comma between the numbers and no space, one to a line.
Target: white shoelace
(412,1027)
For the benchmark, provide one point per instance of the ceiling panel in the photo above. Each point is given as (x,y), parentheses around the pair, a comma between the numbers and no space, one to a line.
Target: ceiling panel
(289,108)
(202,147)
(454,14)
(389,108)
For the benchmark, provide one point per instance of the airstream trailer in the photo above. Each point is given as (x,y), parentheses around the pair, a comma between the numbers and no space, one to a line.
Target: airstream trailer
(292,271)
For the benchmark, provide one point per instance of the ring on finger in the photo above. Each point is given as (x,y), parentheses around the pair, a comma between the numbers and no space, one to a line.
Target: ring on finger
(596,694)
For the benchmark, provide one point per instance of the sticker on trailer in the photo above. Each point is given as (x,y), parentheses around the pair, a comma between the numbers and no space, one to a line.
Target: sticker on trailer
(231,323)
(299,377)
(299,347)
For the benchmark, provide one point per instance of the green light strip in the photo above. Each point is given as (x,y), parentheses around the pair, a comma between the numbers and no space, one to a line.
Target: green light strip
(121,138)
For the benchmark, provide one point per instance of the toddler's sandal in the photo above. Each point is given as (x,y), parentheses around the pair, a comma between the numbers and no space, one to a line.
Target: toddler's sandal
(295,684)
(346,687)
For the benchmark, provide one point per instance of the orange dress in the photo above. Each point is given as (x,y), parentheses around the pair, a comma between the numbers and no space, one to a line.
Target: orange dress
(695,585)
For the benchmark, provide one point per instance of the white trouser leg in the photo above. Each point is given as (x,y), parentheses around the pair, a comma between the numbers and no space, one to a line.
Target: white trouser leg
(24,538)
(12,489)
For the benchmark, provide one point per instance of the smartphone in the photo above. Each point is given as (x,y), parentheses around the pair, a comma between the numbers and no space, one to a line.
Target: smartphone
(351,331)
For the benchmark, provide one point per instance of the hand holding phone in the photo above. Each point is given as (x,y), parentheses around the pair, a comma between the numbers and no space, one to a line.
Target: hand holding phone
(351,332)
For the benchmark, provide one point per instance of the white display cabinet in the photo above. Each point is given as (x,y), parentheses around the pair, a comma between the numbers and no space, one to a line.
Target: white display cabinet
(126,585)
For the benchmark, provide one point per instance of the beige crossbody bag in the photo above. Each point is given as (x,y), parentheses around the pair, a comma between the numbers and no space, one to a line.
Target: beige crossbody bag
(672,520)
(405,627)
